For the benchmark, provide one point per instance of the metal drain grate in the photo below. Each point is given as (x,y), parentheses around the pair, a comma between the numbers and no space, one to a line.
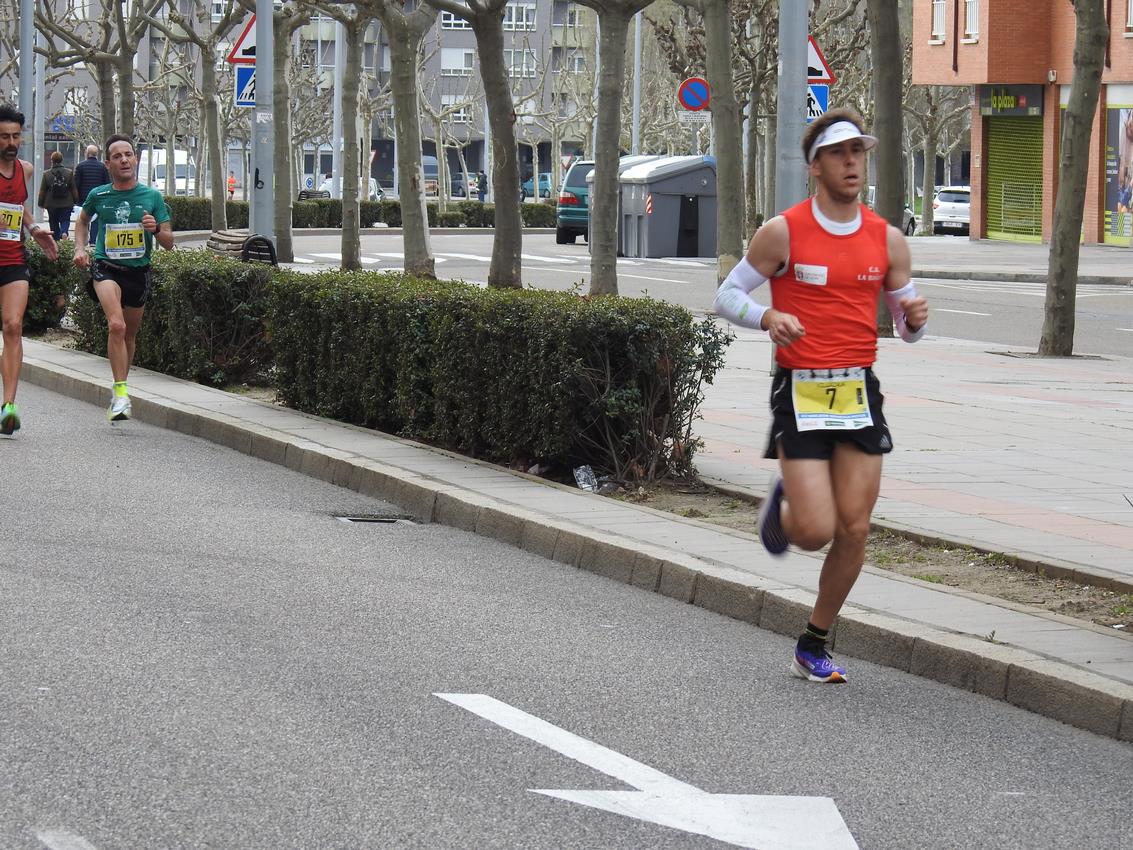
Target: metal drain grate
(376,518)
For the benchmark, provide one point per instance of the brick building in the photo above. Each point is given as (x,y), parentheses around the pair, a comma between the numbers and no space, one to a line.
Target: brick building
(1017,56)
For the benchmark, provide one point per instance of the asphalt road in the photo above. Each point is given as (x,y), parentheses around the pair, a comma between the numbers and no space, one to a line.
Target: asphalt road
(1009,313)
(196,654)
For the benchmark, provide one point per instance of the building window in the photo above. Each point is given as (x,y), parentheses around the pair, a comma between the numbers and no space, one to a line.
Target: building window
(457,62)
(521,63)
(938,20)
(218,7)
(449,21)
(972,19)
(564,14)
(519,16)
(460,108)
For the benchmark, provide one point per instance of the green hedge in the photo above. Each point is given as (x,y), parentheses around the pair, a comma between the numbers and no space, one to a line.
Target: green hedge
(515,376)
(203,322)
(52,287)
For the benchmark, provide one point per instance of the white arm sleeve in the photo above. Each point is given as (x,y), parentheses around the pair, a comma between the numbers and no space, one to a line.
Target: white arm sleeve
(893,299)
(733,299)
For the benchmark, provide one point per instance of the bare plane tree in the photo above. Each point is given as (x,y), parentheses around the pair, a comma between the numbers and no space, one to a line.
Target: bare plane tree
(1062,273)
(486,19)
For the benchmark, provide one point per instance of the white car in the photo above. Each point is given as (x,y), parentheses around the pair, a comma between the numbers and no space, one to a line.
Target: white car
(951,209)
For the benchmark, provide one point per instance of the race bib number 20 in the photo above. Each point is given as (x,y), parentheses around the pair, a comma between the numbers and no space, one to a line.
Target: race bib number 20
(11,221)
(830,400)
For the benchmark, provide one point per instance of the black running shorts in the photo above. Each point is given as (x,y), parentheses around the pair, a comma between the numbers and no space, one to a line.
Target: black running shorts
(135,283)
(10,274)
(819,445)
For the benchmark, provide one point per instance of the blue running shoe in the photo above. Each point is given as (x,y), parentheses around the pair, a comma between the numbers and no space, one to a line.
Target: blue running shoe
(9,419)
(815,665)
(771,532)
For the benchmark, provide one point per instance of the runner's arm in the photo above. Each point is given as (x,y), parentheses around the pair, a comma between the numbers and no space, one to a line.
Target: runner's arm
(37,231)
(766,256)
(909,310)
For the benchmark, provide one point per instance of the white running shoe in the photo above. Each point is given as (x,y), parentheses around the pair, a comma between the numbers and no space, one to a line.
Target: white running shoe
(119,410)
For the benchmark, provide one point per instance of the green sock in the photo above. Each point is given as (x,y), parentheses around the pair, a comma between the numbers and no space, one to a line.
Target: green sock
(120,389)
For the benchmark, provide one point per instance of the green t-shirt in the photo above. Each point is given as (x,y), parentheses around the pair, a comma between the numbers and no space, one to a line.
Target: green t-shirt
(121,238)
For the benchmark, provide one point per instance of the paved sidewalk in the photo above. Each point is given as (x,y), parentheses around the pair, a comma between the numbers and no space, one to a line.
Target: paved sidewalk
(963,259)
(1073,672)
(1030,457)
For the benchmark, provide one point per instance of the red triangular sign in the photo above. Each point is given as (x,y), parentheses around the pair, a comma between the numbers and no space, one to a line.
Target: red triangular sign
(817,69)
(243,52)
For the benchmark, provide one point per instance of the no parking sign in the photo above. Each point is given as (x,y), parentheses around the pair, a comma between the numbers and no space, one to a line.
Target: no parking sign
(694,94)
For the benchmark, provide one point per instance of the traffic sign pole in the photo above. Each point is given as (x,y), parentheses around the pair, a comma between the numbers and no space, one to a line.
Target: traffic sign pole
(263,134)
(790,166)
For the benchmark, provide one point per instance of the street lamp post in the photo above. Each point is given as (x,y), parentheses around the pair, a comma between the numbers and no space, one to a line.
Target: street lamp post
(263,133)
(790,166)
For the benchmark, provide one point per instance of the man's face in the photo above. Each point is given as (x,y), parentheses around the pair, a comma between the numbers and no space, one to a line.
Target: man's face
(840,168)
(121,161)
(10,133)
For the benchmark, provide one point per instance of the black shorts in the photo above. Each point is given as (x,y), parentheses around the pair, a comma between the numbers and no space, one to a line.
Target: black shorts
(10,274)
(819,445)
(135,283)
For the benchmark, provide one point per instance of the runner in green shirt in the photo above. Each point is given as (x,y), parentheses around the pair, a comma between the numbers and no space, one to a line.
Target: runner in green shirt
(133,217)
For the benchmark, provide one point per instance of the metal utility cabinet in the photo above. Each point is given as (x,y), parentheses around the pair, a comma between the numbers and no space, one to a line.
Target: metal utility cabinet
(668,208)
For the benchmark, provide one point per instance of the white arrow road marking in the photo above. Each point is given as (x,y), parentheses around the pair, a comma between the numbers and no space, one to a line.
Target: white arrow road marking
(57,839)
(744,820)
(477,257)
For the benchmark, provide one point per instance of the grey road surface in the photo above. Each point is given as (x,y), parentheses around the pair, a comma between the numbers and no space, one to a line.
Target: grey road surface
(196,654)
(1009,313)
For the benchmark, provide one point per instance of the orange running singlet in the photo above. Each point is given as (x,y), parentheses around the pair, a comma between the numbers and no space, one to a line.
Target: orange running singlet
(831,284)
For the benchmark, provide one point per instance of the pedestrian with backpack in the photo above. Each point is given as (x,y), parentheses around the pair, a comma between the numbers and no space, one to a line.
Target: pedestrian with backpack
(89,173)
(58,195)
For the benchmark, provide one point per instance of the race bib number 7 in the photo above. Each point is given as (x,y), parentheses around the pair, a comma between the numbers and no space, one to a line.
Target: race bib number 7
(11,221)
(124,241)
(830,399)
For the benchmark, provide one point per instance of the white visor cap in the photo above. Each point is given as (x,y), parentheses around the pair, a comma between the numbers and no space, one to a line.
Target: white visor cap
(840,131)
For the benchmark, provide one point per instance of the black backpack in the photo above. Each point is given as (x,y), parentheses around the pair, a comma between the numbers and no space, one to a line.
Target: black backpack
(60,183)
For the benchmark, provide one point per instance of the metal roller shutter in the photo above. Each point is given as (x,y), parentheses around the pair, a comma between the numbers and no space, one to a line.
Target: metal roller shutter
(1015,178)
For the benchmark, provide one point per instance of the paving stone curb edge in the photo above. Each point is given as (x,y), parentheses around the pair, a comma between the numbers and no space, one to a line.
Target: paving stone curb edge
(1024,679)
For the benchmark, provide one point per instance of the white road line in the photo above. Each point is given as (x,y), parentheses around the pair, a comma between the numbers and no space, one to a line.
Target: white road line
(57,839)
(303,260)
(541,259)
(965,312)
(476,257)
(658,279)
(694,263)
(624,262)
(1127,330)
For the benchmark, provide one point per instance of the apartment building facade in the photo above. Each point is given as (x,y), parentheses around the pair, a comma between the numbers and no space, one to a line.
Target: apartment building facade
(1017,56)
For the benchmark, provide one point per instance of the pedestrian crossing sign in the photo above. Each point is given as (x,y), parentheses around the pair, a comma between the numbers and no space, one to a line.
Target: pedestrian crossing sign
(817,101)
(245,85)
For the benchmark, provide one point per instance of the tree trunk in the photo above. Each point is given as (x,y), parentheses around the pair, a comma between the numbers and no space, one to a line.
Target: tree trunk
(769,154)
(104,74)
(505,271)
(351,154)
(751,178)
(613,24)
(126,93)
(886,52)
(1062,272)
(929,181)
(212,137)
(404,46)
(281,140)
(729,143)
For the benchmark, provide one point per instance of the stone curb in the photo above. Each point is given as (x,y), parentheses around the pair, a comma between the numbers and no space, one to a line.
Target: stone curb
(1022,560)
(1030,681)
(1015,277)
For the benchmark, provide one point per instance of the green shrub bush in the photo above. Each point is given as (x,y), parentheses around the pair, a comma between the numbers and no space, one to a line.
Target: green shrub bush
(308,214)
(203,322)
(52,287)
(450,218)
(237,214)
(190,213)
(505,375)
(537,215)
(477,214)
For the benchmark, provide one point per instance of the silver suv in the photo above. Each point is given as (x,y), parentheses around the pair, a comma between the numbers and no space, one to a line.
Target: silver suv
(951,209)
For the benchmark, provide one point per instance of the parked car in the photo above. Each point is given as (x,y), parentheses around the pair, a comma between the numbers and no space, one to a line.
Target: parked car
(572,213)
(951,209)
(908,220)
(457,185)
(528,186)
